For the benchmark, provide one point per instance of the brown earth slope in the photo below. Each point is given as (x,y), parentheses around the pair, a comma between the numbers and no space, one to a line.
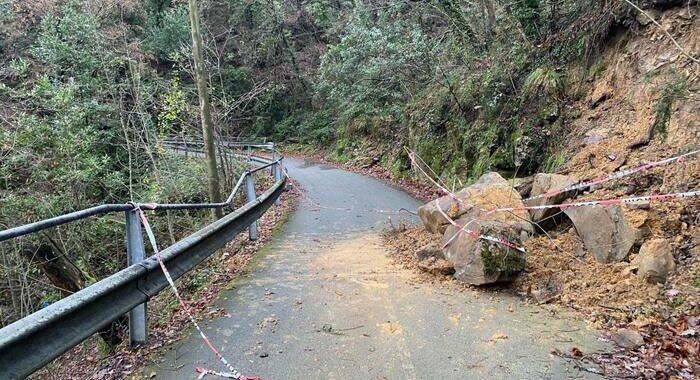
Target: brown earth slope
(640,105)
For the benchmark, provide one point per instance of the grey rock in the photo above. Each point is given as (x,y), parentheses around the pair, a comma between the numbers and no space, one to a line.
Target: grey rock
(477,261)
(491,190)
(655,261)
(436,266)
(605,232)
(595,135)
(627,338)
(430,250)
(544,183)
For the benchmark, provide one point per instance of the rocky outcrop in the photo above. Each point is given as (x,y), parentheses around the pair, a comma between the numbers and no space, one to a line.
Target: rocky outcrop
(544,183)
(655,261)
(491,190)
(478,261)
(605,232)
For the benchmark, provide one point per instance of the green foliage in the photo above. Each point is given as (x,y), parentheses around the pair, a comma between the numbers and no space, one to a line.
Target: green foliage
(19,67)
(553,162)
(169,30)
(174,105)
(237,80)
(677,302)
(499,260)
(322,12)
(545,81)
(71,42)
(528,12)
(180,188)
(672,92)
(83,134)
(365,75)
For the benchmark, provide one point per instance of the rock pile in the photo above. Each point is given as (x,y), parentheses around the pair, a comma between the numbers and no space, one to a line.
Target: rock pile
(472,247)
(478,261)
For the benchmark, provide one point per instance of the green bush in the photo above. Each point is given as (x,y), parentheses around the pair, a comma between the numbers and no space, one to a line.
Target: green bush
(169,31)
(71,43)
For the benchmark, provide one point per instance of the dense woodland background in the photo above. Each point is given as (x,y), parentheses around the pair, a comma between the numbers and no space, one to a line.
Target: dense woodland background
(87,89)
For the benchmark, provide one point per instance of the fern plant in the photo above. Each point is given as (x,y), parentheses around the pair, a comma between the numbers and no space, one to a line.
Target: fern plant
(545,81)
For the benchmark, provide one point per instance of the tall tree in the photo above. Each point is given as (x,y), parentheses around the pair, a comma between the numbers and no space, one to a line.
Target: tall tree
(207,124)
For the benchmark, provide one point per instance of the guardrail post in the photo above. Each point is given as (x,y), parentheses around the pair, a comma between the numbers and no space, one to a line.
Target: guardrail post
(278,177)
(274,158)
(253,229)
(138,319)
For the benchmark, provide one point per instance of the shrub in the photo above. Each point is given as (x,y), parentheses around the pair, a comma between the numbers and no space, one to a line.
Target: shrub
(169,31)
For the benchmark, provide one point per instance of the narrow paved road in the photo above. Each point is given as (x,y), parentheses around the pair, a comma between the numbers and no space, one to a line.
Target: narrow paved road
(324,302)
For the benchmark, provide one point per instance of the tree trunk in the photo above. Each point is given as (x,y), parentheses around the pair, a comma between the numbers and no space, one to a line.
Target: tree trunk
(207,124)
(490,16)
(65,276)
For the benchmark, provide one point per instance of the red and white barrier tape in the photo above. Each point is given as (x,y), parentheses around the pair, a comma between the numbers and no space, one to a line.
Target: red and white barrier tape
(414,157)
(203,372)
(615,176)
(234,374)
(607,202)
(476,234)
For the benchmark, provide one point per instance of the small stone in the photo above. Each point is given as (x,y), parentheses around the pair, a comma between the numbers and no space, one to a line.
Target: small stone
(264,354)
(436,266)
(644,205)
(627,338)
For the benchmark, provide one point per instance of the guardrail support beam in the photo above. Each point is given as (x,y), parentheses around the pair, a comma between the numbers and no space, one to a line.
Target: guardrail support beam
(135,253)
(274,158)
(250,186)
(277,169)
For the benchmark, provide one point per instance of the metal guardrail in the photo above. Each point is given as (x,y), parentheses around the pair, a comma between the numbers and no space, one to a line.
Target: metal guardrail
(34,341)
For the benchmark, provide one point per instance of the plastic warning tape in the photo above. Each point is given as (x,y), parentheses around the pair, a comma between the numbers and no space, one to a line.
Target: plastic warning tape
(151,237)
(203,372)
(476,234)
(615,176)
(607,202)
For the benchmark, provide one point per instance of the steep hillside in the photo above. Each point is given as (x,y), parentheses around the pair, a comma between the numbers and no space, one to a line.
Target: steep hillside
(636,104)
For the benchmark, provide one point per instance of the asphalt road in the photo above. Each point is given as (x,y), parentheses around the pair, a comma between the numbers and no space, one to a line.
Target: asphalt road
(324,302)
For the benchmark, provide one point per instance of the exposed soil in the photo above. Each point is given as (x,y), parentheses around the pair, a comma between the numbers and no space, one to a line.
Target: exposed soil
(168,323)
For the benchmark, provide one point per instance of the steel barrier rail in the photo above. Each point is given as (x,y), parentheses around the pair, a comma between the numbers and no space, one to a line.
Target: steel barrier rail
(228,144)
(62,219)
(27,229)
(34,341)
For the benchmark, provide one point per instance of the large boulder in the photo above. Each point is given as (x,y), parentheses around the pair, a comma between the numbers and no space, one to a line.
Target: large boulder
(605,231)
(490,191)
(655,261)
(544,183)
(478,261)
